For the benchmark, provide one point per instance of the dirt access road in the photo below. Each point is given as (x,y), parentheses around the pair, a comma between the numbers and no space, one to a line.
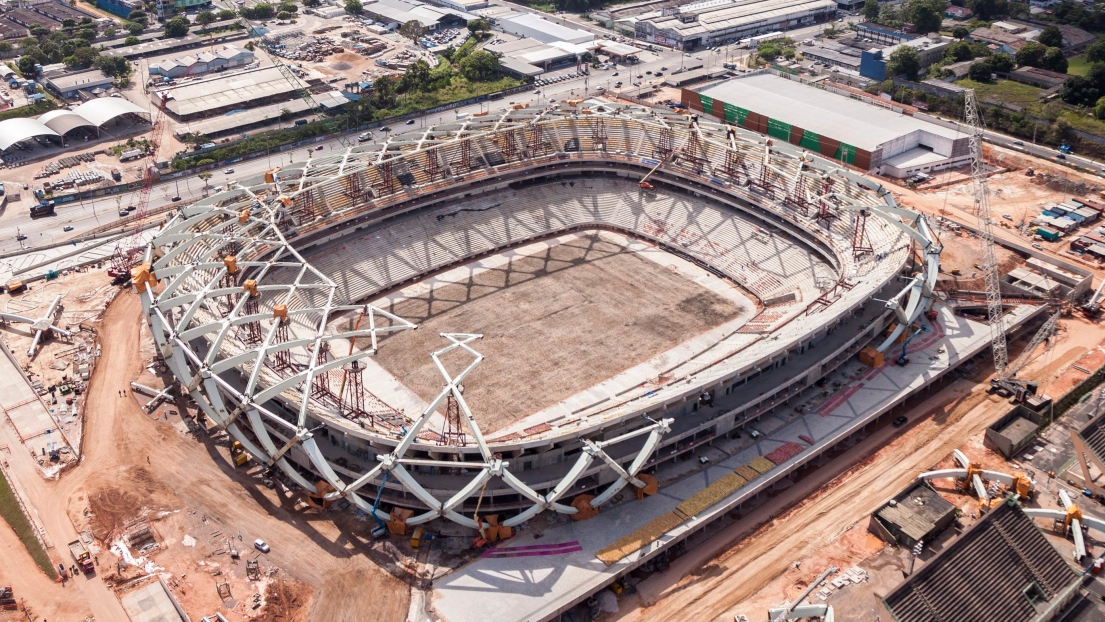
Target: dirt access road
(127,453)
(716,579)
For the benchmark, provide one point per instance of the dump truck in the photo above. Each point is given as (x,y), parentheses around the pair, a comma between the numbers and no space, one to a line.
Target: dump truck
(81,554)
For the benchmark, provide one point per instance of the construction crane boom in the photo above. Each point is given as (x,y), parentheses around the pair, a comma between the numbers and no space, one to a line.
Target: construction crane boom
(991,276)
(127,251)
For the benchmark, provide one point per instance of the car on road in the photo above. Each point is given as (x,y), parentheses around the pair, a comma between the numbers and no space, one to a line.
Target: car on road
(21,237)
(131,208)
(67,228)
(123,213)
(364,138)
(318,148)
(1018,143)
(1060,157)
(615,74)
(1037,246)
(900,421)
(176,198)
(1007,216)
(537,91)
(228,171)
(410,121)
(663,69)
(261,545)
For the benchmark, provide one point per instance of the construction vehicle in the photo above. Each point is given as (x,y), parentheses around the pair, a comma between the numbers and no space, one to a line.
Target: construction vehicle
(81,554)
(238,453)
(1092,308)
(416,537)
(1005,382)
(903,360)
(7,599)
(253,570)
(647,187)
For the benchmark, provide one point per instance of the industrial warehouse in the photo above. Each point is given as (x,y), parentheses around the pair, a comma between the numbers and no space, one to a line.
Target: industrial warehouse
(834,125)
(713,22)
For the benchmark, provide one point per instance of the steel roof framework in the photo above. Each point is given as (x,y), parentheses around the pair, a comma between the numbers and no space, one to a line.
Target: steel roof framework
(185,312)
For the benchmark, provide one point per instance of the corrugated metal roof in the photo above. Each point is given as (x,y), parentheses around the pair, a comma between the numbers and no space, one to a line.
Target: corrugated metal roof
(858,124)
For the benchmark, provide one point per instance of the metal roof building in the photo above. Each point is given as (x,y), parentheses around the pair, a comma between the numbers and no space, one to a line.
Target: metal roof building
(67,85)
(1002,569)
(713,22)
(219,94)
(846,129)
(539,28)
(229,57)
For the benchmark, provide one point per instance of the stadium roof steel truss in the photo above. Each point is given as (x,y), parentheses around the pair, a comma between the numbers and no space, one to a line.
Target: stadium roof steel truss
(195,311)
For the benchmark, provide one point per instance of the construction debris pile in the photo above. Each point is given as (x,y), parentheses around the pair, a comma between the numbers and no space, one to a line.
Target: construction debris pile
(295,45)
(53,168)
(854,575)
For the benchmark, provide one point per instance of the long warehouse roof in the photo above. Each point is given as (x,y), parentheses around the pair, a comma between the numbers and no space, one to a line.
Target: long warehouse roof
(827,114)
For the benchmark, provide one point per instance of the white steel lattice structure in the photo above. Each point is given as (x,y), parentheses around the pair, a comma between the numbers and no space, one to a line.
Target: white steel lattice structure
(254,331)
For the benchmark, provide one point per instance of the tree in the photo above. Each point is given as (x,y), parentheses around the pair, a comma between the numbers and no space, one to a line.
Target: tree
(205,176)
(285,114)
(177,27)
(109,32)
(226,14)
(480,66)
(114,66)
(926,15)
(1001,63)
(413,30)
(206,18)
(478,25)
(871,10)
(138,16)
(1099,109)
(26,66)
(1031,55)
(5,47)
(1079,91)
(249,46)
(1095,53)
(282,15)
(288,7)
(958,52)
(133,28)
(353,7)
(960,32)
(1054,60)
(312,2)
(81,58)
(1051,37)
(987,10)
(904,60)
(980,71)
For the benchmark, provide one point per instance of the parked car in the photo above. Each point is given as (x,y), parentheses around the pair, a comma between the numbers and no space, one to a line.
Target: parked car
(176,198)
(228,171)
(900,421)
(261,545)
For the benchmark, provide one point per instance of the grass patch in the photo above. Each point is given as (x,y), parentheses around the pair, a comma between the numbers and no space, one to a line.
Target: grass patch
(1084,122)
(1078,66)
(10,510)
(1004,90)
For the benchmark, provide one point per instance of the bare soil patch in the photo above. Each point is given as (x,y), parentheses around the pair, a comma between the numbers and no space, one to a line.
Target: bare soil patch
(553,324)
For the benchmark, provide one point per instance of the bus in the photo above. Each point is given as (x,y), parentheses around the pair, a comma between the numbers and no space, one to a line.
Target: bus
(46,208)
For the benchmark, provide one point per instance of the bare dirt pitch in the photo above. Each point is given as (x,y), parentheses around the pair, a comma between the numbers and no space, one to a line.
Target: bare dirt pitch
(553,324)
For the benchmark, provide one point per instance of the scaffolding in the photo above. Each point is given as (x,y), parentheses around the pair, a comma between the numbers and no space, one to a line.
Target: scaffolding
(453,433)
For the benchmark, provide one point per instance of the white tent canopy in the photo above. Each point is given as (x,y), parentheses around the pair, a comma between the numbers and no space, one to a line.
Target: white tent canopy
(64,121)
(58,122)
(100,111)
(17,130)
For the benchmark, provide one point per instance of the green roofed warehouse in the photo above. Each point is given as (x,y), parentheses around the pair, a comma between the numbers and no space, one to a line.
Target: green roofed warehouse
(864,135)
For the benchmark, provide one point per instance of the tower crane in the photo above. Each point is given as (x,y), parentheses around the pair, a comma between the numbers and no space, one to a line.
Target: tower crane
(1005,381)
